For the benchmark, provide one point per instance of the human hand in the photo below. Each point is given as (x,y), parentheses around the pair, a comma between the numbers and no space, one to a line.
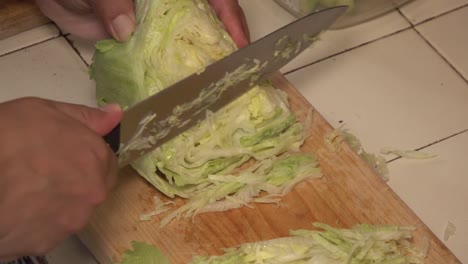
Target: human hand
(233,18)
(92,19)
(99,19)
(55,168)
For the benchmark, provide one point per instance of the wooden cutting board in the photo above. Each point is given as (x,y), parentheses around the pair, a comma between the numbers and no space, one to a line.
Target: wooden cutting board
(349,193)
(17,16)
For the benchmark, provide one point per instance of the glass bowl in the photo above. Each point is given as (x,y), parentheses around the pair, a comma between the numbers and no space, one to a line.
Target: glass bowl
(358,11)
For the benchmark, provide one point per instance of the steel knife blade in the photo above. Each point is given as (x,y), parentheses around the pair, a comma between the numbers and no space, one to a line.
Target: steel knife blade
(159,118)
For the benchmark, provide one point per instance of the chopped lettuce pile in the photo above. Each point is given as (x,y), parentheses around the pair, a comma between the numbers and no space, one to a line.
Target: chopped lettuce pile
(362,244)
(176,38)
(275,175)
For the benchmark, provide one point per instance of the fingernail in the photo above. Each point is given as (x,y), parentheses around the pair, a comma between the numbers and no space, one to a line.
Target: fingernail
(111,108)
(122,27)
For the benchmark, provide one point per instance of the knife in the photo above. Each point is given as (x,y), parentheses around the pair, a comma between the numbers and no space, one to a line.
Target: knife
(159,118)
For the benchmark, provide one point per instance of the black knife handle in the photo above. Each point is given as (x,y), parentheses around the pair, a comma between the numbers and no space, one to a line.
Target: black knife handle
(113,138)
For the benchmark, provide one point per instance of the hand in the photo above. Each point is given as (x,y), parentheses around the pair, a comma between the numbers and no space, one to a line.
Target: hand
(92,19)
(55,168)
(233,18)
(99,19)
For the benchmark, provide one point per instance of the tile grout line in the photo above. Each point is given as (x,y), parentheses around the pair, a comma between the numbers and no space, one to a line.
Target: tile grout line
(433,143)
(64,34)
(442,56)
(31,45)
(70,42)
(350,49)
(76,50)
(434,17)
(432,46)
(411,26)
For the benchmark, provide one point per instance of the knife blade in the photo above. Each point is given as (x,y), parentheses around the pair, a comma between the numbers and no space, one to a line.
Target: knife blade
(159,118)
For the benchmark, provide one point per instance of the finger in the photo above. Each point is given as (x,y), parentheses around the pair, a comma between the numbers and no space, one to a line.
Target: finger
(246,32)
(101,121)
(233,18)
(245,26)
(118,17)
(238,28)
(73,16)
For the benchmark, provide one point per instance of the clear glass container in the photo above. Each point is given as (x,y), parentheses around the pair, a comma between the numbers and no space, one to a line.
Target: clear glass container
(358,11)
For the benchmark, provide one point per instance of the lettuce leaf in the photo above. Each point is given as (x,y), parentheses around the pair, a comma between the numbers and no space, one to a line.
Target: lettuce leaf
(173,39)
(143,253)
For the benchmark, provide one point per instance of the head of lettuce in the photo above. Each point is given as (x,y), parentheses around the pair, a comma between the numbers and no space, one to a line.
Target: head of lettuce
(176,38)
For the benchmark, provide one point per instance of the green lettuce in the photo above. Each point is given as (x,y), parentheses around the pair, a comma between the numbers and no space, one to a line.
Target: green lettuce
(362,244)
(143,253)
(276,176)
(173,39)
(334,139)
(333,3)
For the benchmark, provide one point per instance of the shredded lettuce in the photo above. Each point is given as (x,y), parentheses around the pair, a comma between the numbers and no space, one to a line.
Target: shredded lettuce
(339,135)
(275,176)
(176,38)
(449,230)
(408,154)
(334,139)
(361,244)
(160,207)
(377,162)
(143,253)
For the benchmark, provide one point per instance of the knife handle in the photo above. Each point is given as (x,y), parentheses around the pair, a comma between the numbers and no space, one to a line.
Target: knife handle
(113,138)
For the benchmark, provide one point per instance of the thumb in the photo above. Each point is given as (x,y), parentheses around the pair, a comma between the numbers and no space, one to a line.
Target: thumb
(117,16)
(101,121)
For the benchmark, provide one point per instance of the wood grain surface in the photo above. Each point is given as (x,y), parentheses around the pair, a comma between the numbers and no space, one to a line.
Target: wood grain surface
(349,193)
(17,16)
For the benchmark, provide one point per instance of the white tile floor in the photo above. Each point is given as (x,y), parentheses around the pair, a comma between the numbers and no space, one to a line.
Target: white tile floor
(436,189)
(83,47)
(49,69)
(28,38)
(331,42)
(422,10)
(449,38)
(384,94)
(392,85)
(337,41)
